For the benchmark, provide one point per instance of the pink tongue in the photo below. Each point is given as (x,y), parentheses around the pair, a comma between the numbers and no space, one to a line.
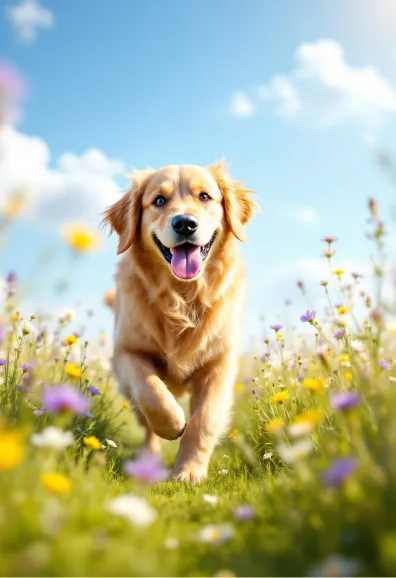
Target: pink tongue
(186,263)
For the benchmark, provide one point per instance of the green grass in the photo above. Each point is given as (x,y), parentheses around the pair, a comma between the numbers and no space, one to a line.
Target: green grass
(301,526)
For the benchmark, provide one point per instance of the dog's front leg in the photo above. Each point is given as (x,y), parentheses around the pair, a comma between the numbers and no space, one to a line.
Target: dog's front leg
(140,384)
(212,391)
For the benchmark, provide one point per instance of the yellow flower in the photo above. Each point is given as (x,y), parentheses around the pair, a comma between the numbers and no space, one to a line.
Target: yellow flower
(338,272)
(279,336)
(92,442)
(57,483)
(73,370)
(233,434)
(348,376)
(342,309)
(280,397)
(344,360)
(15,205)
(314,383)
(274,425)
(239,387)
(313,416)
(125,405)
(81,238)
(12,449)
(71,340)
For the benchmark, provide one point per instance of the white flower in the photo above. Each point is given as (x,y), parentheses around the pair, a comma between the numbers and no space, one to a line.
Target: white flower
(52,437)
(297,430)
(111,443)
(223,472)
(297,450)
(216,534)
(171,543)
(357,345)
(210,499)
(268,456)
(133,508)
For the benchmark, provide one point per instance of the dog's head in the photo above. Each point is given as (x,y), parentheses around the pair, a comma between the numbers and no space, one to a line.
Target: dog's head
(182,214)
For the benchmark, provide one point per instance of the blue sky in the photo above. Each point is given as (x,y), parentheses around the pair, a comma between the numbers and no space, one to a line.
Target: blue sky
(282,89)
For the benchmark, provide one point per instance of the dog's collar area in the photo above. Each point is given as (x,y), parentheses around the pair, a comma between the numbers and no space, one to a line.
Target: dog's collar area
(167,254)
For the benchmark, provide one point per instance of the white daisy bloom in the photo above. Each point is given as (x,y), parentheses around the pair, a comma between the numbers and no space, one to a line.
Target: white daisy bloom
(216,534)
(210,499)
(134,509)
(52,437)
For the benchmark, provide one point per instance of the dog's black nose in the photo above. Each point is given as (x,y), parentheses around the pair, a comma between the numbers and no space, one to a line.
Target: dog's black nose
(185,224)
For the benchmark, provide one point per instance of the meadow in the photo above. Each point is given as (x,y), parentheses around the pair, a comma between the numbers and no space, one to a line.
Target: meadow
(303,484)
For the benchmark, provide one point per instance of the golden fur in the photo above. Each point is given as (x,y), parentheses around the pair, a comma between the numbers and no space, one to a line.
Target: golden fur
(176,336)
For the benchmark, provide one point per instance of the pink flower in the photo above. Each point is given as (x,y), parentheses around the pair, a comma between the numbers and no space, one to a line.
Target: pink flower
(148,467)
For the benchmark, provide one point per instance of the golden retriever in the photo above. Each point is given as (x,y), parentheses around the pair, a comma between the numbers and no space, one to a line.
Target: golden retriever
(178,303)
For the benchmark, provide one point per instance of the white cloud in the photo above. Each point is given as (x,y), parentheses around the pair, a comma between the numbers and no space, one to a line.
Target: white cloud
(307,215)
(28,17)
(324,89)
(78,188)
(242,105)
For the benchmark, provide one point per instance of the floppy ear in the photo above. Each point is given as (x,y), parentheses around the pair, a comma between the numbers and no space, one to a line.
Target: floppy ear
(124,216)
(239,207)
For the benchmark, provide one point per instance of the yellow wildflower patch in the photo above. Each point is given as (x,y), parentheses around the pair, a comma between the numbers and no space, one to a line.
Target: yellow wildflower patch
(73,370)
(81,238)
(348,376)
(239,387)
(274,425)
(280,396)
(338,272)
(344,360)
(125,404)
(12,449)
(71,339)
(313,416)
(56,483)
(279,336)
(92,442)
(342,309)
(314,383)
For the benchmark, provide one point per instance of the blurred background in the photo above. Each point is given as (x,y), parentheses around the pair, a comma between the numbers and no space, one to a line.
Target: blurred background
(300,97)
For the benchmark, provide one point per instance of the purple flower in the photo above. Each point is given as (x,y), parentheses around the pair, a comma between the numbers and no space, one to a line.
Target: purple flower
(308,316)
(19,387)
(11,278)
(148,468)
(27,367)
(345,400)
(38,412)
(3,361)
(264,357)
(60,398)
(356,275)
(244,512)
(276,328)
(339,471)
(90,415)
(93,390)
(385,364)
(339,334)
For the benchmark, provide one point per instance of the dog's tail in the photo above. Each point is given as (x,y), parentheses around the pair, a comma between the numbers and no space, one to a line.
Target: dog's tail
(109,298)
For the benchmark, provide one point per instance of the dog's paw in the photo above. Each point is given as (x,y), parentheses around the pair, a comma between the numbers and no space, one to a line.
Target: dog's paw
(168,425)
(191,473)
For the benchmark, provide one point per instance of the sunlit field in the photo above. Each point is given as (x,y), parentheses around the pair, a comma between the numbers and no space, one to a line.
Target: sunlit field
(302,484)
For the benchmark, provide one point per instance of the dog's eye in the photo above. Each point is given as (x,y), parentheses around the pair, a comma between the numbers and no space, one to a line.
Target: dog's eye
(159,201)
(203,196)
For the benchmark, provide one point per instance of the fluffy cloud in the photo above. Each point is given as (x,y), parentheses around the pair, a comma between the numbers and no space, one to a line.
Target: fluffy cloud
(28,17)
(241,105)
(323,88)
(307,215)
(78,188)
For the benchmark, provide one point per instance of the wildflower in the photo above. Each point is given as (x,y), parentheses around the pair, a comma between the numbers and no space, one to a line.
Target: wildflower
(73,370)
(339,471)
(110,443)
(89,415)
(280,397)
(38,412)
(134,509)
(324,283)
(12,449)
(292,453)
(330,240)
(279,336)
(239,387)
(268,455)
(216,534)
(342,309)
(338,272)
(244,512)
(274,425)
(52,437)
(385,364)
(148,468)
(92,442)
(125,405)
(344,360)
(223,472)
(93,390)
(27,367)
(70,340)
(314,383)
(213,500)
(276,328)
(3,361)
(233,434)
(348,376)
(356,346)
(56,483)
(339,334)
(61,398)
(308,316)
(81,238)
(345,400)
(300,429)
(356,275)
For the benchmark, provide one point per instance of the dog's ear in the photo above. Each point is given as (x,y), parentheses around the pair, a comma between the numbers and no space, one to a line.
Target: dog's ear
(239,207)
(124,216)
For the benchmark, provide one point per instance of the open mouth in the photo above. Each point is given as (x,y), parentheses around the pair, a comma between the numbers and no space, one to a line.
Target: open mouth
(185,259)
